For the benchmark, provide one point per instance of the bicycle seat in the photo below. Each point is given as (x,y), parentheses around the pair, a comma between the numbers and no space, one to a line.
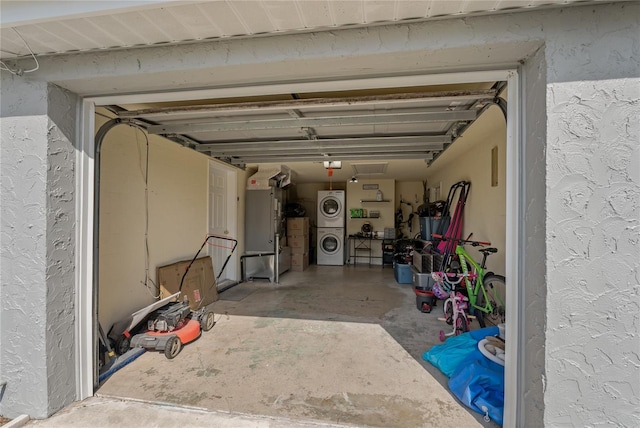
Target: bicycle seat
(488,251)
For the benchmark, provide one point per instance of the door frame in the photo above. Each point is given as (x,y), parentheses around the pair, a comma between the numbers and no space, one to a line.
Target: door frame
(232,209)
(85,337)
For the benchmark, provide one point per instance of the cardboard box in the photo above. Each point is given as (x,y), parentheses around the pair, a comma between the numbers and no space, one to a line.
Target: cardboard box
(299,244)
(199,285)
(299,262)
(269,176)
(297,226)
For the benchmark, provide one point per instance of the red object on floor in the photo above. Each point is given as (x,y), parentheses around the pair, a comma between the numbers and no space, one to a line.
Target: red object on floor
(425,300)
(187,333)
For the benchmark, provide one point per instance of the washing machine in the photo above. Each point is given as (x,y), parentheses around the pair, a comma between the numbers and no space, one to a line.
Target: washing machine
(331,210)
(331,246)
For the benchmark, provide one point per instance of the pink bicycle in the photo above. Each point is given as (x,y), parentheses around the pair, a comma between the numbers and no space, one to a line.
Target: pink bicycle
(455,307)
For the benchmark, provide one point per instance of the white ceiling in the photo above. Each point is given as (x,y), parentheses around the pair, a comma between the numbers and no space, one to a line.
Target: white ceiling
(55,27)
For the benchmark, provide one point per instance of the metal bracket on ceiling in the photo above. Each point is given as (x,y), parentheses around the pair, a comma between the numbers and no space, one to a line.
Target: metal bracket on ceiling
(309,132)
(238,163)
(182,140)
(234,162)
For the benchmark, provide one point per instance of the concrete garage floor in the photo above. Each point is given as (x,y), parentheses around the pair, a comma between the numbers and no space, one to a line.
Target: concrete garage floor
(333,345)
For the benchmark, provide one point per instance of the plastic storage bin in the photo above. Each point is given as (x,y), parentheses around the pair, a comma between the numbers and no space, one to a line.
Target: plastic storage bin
(429,225)
(427,262)
(402,273)
(422,280)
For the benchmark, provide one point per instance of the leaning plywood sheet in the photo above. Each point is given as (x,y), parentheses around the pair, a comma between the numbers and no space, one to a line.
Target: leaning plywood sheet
(199,285)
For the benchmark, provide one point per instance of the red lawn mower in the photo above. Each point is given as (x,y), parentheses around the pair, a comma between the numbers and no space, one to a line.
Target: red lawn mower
(170,323)
(172,326)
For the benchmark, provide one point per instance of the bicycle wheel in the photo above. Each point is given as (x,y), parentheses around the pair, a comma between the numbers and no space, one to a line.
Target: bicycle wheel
(448,312)
(496,288)
(462,325)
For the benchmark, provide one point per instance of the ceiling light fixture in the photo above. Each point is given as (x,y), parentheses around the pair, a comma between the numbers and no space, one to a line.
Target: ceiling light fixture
(333,164)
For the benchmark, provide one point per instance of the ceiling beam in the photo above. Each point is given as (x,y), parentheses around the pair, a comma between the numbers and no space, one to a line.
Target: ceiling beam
(445,97)
(425,142)
(285,152)
(365,119)
(320,158)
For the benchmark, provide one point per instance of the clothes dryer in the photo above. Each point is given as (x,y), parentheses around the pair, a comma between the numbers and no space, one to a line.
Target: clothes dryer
(331,208)
(331,246)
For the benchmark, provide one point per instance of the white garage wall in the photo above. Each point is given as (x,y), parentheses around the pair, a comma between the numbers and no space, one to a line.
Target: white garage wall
(177,225)
(356,194)
(469,159)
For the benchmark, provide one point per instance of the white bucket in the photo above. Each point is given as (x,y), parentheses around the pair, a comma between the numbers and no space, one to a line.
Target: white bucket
(501,329)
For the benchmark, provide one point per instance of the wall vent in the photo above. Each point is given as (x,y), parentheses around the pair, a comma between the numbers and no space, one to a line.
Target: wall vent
(369,168)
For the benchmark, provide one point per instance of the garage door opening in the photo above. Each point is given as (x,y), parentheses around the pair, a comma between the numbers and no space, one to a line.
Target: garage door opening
(247,152)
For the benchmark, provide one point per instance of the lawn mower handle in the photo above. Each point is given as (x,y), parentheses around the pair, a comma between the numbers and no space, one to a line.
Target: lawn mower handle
(226,238)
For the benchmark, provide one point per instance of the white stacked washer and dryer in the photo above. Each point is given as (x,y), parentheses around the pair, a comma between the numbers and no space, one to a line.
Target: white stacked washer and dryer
(331,227)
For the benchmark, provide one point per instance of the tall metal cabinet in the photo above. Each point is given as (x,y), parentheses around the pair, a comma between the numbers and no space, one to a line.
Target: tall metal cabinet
(264,233)
(263,219)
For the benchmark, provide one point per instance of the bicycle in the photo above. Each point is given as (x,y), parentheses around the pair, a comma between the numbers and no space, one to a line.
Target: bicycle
(484,289)
(455,314)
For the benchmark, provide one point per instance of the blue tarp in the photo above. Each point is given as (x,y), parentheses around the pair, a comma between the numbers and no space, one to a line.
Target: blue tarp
(120,362)
(448,356)
(474,379)
(479,382)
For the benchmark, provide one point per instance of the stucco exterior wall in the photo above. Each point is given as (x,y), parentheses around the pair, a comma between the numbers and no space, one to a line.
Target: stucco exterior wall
(593,231)
(583,192)
(37,361)
(24,225)
(593,222)
(60,248)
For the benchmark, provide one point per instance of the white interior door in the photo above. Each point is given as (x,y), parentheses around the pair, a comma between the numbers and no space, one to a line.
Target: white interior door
(222,221)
